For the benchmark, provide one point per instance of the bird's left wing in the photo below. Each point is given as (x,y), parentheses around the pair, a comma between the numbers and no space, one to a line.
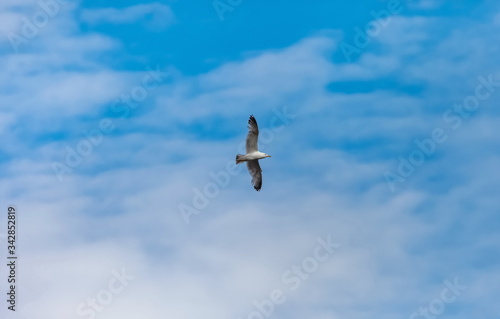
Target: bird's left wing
(253,135)
(256,172)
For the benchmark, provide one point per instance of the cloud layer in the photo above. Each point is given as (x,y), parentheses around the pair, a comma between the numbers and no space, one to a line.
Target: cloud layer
(104,236)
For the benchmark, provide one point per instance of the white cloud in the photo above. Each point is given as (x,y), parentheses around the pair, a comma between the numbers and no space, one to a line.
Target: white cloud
(8,20)
(426,4)
(155,15)
(119,208)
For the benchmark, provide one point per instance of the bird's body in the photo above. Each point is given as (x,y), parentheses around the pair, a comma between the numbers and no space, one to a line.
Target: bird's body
(253,155)
(250,156)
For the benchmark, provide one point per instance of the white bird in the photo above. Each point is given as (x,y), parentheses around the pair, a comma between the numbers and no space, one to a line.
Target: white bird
(253,155)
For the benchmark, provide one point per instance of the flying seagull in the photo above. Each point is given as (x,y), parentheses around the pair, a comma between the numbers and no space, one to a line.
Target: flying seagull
(253,155)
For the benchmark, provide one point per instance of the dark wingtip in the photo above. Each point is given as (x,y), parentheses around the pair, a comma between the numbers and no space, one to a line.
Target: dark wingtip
(252,120)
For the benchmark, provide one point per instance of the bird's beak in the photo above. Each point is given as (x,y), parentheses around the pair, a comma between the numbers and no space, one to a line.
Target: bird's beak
(268,155)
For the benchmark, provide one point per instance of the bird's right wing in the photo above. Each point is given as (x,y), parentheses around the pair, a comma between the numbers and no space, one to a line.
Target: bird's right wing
(256,172)
(253,135)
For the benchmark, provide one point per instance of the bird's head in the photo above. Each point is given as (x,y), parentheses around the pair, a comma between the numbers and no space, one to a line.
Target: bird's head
(267,155)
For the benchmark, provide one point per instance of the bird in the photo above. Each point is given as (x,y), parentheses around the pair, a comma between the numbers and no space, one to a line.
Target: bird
(253,155)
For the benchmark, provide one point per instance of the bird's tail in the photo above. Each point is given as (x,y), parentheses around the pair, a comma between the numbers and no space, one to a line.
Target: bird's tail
(240,158)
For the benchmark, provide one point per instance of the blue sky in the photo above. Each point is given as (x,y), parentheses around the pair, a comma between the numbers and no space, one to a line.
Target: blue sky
(121,121)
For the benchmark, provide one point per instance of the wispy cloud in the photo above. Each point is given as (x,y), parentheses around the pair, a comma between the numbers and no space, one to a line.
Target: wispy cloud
(119,208)
(154,15)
